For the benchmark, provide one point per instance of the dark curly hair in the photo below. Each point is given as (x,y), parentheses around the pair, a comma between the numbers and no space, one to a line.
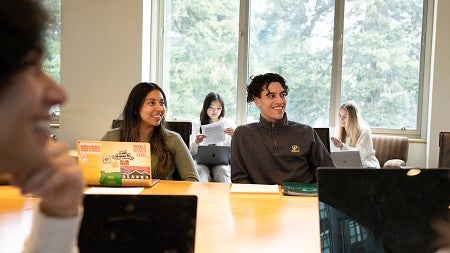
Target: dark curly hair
(22,23)
(261,82)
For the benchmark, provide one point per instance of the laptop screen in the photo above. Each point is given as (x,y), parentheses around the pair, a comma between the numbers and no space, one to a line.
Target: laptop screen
(382,210)
(138,223)
(347,159)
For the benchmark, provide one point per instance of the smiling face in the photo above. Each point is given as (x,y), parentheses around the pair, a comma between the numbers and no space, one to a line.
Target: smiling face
(343,117)
(272,103)
(153,109)
(24,109)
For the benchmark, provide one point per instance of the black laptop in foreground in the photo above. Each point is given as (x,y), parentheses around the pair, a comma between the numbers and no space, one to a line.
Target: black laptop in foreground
(382,210)
(138,223)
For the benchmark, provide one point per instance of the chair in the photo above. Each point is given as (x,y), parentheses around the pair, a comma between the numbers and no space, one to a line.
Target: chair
(184,128)
(444,149)
(391,151)
(5,178)
(324,135)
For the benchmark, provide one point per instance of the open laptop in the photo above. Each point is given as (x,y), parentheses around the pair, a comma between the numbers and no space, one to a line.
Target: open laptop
(347,159)
(138,223)
(213,155)
(110,163)
(382,210)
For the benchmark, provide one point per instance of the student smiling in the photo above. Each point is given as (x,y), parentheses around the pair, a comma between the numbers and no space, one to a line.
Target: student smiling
(275,150)
(143,121)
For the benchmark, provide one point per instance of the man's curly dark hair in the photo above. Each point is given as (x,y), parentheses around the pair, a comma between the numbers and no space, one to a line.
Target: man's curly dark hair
(20,36)
(261,82)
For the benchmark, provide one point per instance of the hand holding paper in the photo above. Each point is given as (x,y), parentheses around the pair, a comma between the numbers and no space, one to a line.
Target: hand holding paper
(214,133)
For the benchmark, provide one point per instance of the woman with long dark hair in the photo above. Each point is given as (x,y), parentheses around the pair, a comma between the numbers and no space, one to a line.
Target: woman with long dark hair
(213,111)
(143,121)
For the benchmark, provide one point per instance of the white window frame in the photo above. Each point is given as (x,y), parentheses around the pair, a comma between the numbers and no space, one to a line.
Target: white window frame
(153,61)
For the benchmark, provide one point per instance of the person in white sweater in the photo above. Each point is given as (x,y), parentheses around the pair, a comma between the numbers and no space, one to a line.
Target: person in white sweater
(352,133)
(36,164)
(213,111)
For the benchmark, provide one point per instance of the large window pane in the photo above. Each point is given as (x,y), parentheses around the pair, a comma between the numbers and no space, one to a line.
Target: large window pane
(380,64)
(52,38)
(200,54)
(381,60)
(295,39)
(52,41)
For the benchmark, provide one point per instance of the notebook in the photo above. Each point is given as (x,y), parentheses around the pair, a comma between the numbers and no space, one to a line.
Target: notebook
(213,155)
(347,159)
(108,163)
(299,189)
(138,223)
(382,210)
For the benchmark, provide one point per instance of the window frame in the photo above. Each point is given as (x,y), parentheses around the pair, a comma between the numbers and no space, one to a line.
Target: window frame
(153,61)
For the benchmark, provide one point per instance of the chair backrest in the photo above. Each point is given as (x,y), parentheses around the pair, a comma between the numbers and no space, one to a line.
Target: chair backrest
(5,179)
(444,149)
(390,147)
(324,134)
(184,128)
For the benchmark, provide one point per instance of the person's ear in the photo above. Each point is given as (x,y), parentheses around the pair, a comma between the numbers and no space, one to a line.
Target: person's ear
(257,101)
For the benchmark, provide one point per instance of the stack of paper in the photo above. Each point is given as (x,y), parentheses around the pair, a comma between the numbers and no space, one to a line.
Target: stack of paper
(254,188)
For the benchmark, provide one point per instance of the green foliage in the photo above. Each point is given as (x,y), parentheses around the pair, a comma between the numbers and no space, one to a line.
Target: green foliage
(52,38)
(201,45)
(381,61)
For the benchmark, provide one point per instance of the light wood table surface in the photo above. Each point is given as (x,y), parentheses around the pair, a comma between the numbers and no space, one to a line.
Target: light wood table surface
(226,222)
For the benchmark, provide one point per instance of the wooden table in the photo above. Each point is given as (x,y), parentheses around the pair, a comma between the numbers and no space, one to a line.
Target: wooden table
(226,222)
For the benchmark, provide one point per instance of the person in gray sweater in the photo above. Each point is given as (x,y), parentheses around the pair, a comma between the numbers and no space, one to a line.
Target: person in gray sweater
(275,150)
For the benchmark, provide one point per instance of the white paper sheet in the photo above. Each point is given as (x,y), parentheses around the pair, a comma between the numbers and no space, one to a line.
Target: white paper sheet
(115,190)
(214,133)
(254,188)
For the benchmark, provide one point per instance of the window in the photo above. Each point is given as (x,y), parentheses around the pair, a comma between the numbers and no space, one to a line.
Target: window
(331,51)
(381,60)
(52,41)
(200,54)
(295,39)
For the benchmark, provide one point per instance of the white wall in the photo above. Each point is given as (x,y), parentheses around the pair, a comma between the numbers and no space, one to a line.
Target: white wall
(101,61)
(101,54)
(439,118)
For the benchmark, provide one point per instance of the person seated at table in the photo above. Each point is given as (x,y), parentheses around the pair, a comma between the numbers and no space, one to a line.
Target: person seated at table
(36,164)
(213,111)
(143,121)
(275,149)
(352,133)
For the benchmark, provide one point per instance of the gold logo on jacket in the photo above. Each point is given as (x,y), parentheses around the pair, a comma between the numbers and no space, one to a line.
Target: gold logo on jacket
(295,149)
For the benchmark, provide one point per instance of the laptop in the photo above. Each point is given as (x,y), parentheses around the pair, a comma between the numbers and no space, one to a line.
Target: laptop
(347,159)
(138,223)
(110,163)
(382,210)
(213,155)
